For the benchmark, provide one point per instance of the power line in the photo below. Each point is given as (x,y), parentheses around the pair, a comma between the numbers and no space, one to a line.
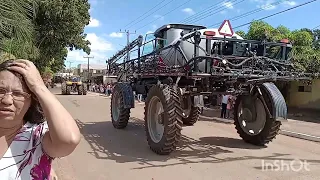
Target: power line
(152,13)
(204,16)
(316,27)
(88,75)
(249,12)
(145,13)
(127,32)
(213,9)
(69,66)
(164,14)
(206,10)
(280,12)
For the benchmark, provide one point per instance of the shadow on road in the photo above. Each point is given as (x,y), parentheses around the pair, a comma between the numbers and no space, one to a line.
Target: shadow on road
(302,114)
(229,142)
(129,145)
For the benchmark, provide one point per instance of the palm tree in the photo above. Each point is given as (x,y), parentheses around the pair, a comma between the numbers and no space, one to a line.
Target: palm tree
(16,26)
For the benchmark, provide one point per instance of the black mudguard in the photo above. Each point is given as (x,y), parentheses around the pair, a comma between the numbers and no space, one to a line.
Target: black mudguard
(279,107)
(127,94)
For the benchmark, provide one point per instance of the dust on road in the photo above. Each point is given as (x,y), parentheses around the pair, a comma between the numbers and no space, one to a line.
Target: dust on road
(208,150)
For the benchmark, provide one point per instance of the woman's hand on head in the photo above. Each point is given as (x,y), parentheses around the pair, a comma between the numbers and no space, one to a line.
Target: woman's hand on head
(29,72)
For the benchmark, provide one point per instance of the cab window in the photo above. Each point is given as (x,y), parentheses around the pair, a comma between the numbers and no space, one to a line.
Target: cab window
(148,47)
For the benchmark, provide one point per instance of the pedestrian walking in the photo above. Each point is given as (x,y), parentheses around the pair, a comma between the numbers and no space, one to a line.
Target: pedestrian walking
(224,103)
(229,106)
(109,89)
(139,98)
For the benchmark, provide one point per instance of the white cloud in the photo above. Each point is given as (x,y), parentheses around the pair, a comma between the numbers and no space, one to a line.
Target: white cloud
(269,4)
(100,47)
(98,43)
(228,5)
(148,32)
(76,56)
(290,3)
(188,11)
(159,17)
(154,27)
(223,12)
(94,23)
(116,35)
(93,2)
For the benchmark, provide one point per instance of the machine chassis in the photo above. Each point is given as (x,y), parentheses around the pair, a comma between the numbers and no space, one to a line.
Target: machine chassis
(174,93)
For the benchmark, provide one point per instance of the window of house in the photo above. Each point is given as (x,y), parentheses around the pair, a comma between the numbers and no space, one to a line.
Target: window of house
(304,88)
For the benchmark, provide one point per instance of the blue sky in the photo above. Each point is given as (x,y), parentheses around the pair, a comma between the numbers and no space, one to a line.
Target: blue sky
(108,17)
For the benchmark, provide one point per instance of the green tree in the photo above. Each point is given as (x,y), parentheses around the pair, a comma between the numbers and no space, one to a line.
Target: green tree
(60,24)
(16,19)
(241,33)
(41,30)
(316,39)
(17,28)
(306,43)
(260,30)
(281,32)
(20,49)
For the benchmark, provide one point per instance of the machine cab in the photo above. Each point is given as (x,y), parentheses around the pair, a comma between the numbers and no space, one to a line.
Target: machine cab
(169,33)
(165,35)
(75,79)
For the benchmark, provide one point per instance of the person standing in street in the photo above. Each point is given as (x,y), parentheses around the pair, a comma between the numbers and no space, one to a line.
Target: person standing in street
(229,106)
(224,103)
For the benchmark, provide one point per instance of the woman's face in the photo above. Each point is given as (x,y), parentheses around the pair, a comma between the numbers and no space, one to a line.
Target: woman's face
(14,99)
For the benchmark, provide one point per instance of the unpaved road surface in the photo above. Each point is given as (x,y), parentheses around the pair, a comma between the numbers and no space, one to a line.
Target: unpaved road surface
(208,151)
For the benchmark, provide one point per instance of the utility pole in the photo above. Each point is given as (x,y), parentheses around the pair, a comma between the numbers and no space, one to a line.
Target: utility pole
(88,76)
(127,32)
(69,67)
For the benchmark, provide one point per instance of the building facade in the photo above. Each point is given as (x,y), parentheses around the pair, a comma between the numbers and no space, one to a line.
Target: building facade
(304,96)
(94,70)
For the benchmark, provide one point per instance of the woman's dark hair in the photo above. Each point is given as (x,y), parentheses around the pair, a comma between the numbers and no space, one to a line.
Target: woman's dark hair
(34,114)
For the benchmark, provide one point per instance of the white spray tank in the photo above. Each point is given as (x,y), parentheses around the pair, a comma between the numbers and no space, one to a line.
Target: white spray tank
(172,34)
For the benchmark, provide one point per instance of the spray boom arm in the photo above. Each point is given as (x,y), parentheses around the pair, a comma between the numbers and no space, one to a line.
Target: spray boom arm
(125,50)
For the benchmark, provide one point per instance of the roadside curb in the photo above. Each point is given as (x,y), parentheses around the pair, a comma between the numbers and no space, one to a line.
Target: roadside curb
(282,131)
(98,94)
(300,135)
(220,120)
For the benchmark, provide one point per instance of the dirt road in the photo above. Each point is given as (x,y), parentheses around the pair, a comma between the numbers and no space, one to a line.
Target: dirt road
(208,151)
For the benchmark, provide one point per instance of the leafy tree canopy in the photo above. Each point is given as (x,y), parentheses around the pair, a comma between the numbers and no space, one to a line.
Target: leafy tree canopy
(306,42)
(43,30)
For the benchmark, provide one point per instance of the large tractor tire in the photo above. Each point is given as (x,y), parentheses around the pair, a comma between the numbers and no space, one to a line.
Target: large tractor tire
(84,89)
(252,120)
(68,90)
(191,113)
(63,89)
(80,90)
(163,119)
(119,113)
(193,116)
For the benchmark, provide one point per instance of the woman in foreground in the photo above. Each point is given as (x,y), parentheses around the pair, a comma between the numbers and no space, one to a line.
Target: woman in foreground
(27,111)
